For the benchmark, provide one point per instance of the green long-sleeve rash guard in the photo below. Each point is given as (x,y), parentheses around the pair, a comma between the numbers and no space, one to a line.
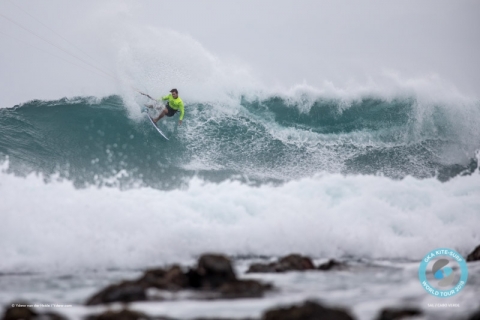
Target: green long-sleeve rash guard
(176,104)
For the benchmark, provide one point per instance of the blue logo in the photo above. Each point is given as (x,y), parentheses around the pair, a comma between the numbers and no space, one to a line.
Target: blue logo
(437,272)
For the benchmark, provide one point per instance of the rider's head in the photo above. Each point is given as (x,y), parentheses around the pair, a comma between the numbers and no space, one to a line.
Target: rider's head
(174,93)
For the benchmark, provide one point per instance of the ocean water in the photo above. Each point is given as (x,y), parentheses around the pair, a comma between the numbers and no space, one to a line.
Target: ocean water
(92,194)
(372,160)
(103,141)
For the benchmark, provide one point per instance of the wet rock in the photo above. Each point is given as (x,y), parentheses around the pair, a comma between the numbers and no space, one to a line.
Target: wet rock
(226,319)
(124,314)
(475,316)
(244,289)
(176,278)
(172,279)
(397,314)
(214,270)
(331,265)
(20,311)
(474,255)
(296,262)
(211,272)
(126,291)
(292,262)
(13,312)
(215,273)
(262,268)
(153,275)
(127,314)
(310,310)
(212,278)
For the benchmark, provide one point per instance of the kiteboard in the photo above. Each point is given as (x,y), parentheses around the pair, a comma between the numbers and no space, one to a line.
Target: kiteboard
(155,125)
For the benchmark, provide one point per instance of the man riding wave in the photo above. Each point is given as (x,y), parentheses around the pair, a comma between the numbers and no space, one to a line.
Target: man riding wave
(174,104)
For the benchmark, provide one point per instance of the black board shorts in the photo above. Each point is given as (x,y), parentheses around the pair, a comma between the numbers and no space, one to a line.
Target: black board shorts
(171,111)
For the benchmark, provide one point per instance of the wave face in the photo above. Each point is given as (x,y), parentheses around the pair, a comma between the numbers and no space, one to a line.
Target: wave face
(271,140)
(263,176)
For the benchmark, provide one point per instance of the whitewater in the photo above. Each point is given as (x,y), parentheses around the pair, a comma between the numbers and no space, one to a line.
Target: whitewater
(372,173)
(91,195)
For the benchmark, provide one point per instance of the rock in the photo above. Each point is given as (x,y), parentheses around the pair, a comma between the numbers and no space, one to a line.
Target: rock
(331,265)
(396,314)
(262,268)
(225,319)
(213,277)
(14,313)
(124,314)
(292,262)
(126,291)
(310,310)
(243,289)
(474,255)
(176,278)
(172,279)
(153,275)
(296,262)
(194,279)
(475,316)
(21,312)
(214,270)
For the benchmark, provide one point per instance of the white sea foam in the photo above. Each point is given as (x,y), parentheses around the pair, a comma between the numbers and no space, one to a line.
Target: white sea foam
(54,225)
(176,59)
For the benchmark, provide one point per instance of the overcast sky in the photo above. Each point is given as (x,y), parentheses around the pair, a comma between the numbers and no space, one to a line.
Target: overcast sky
(280,42)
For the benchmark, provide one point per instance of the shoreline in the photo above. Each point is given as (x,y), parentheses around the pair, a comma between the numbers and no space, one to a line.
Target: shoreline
(364,290)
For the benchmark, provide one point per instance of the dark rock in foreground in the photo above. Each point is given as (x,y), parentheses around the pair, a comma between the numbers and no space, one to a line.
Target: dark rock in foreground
(124,314)
(127,314)
(292,262)
(13,313)
(474,255)
(212,272)
(213,278)
(475,316)
(310,310)
(397,314)
(331,265)
(127,291)
(20,311)
(172,279)
(243,289)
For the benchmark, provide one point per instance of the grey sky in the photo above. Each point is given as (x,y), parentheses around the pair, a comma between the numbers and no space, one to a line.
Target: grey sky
(284,42)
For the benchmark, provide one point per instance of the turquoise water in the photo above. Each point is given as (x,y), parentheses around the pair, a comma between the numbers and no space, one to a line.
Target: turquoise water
(98,141)
(372,181)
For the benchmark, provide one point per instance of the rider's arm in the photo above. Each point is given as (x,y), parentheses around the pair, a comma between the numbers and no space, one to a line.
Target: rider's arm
(182,111)
(164,97)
